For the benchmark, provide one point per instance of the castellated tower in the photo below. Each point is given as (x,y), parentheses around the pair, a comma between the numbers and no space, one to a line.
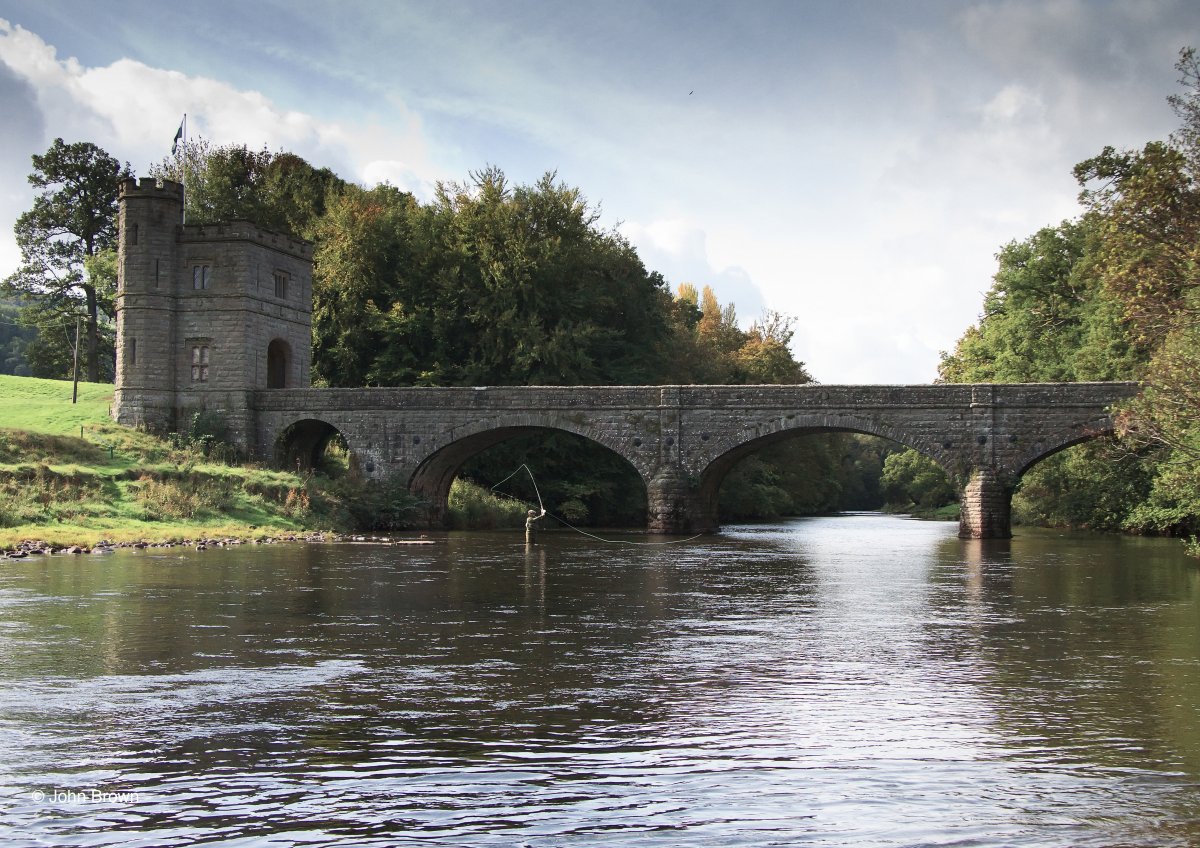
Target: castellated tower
(207,315)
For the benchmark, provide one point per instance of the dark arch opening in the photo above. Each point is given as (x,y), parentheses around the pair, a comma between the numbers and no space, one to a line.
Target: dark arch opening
(278,359)
(578,478)
(1043,450)
(815,470)
(1086,482)
(313,445)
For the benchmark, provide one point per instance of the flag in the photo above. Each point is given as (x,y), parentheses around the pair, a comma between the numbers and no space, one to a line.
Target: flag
(178,135)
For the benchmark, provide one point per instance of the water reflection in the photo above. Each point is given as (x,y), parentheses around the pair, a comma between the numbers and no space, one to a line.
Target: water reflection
(848,681)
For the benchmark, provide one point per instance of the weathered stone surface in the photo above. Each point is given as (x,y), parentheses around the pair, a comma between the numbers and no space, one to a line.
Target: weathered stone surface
(681,440)
(986,508)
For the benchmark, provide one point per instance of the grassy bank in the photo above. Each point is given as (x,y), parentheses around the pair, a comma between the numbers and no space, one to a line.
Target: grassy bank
(949,512)
(69,475)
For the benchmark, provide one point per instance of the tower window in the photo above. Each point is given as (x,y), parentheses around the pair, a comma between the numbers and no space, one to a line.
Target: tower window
(199,363)
(281,284)
(133,234)
(132,352)
(200,277)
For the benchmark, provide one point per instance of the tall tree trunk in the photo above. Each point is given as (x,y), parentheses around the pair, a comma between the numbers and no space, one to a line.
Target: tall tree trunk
(93,331)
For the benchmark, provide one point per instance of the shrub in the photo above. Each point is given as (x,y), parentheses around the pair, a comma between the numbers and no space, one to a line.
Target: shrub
(188,497)
(377,505)
(473,507)
(38,494)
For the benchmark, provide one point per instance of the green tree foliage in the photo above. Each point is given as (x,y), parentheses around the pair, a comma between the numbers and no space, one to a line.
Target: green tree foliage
(862,469)
(579,480)
(15,336)
(1113,295)
(800,476)
(706,345)
(276,191)
(72,222)
(1047,317)
(545,295)
(371,259)
(1149,259)
(911,479)
(1096,485)
(489,284)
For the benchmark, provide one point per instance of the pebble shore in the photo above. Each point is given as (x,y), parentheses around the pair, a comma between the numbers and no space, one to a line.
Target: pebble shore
(35,548)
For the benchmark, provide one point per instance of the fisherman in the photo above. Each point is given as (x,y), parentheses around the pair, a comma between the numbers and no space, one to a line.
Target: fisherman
(530,530)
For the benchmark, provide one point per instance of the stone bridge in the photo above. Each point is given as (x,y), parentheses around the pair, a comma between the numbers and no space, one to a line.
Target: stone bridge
(683,440)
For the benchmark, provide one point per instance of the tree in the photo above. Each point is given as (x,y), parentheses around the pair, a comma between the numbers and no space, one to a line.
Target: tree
(1047,317)
(911,478)
(72,221)
(370,319)
(1113,295)
(765,356)
(15,337)
(276,191)
(1150,256)
(546,296)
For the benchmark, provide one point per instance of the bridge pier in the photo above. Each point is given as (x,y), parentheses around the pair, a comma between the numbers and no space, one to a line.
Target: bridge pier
(986,507)
(674,506)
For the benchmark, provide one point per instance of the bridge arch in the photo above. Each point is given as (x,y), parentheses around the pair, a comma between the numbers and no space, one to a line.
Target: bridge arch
(730,449)
(301,444)
(437,469)
(1045,446)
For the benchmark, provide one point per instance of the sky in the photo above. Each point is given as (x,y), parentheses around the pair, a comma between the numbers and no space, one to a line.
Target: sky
(853,165)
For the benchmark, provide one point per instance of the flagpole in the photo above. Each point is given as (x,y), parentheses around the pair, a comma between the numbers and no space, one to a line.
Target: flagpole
(185,158)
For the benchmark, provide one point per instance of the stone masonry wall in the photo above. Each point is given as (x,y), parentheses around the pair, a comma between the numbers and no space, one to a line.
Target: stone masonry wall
(683,439)
(209,291)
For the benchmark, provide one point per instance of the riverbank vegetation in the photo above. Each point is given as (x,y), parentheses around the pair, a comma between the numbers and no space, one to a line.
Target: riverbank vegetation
(1113,294)
(69,475)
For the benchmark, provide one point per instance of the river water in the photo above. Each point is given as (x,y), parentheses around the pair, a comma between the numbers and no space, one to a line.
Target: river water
(861,680)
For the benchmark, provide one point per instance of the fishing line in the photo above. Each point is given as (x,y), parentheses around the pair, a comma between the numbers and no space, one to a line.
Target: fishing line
(531,480)
(566,523)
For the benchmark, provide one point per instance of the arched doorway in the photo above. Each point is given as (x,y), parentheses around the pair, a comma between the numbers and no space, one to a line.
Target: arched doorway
(278,360)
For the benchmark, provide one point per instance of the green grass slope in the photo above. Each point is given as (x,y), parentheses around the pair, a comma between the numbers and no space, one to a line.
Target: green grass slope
(44,406)
(122,484)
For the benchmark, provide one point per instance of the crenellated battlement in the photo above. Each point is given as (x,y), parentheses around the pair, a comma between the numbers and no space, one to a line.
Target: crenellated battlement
(150,187)
(233,231)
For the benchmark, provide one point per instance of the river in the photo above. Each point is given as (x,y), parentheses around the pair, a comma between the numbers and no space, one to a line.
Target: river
(862,680)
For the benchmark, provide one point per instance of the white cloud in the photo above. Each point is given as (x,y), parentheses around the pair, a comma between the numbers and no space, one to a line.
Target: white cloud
(132,111)
(396,173)
(678,249)
(1013,104)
